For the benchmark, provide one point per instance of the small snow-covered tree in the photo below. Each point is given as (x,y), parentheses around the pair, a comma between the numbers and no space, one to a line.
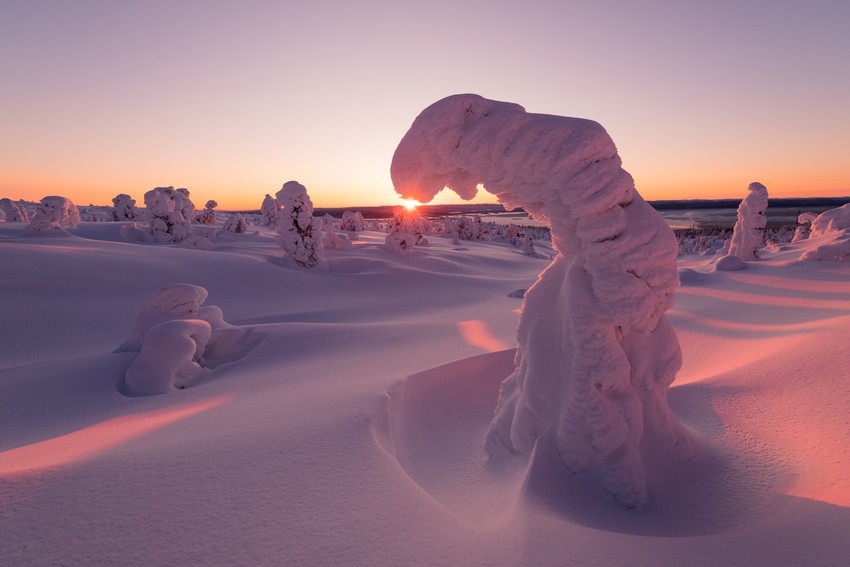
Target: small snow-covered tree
(596,353)
(165,207)
(528,245)
(299,233)
(748,234)
(351,221)
(13,212)
(408,221)
(54,212)
(236,223)
(804,228)
(185,204)
(207,216)
(269,212)
(123,208)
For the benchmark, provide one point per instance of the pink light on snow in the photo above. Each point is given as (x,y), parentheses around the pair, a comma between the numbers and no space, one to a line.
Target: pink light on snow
(476,333)
(89,441)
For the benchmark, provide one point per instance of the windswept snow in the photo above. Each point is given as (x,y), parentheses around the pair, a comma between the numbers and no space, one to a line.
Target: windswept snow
(340,415)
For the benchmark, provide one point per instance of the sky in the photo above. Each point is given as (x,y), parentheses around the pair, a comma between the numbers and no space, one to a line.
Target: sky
(232,99)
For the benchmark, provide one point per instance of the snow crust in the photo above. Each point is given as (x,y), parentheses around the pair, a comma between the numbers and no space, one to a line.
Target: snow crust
(596,354)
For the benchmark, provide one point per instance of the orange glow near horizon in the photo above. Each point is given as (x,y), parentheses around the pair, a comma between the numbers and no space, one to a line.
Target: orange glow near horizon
(98,438)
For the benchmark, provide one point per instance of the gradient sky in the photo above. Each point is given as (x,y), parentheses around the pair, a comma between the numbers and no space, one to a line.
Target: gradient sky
(231,99)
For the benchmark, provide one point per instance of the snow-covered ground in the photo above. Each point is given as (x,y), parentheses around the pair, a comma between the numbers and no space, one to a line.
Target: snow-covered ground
(344,421)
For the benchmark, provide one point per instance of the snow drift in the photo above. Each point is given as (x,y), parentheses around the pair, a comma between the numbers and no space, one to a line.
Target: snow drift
(596,353)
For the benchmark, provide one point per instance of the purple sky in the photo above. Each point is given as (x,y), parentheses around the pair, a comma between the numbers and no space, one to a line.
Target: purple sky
(231,99)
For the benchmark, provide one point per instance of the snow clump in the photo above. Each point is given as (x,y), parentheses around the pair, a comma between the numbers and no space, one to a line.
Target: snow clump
(596,353)
(748,234)
(170,358)
(299,233)
(54,213)
(172,302)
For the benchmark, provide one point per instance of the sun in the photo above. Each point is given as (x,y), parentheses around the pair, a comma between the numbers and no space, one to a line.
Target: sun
(410,204)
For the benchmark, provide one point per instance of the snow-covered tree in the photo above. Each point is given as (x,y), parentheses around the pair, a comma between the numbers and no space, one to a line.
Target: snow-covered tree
(748,235)
(123,208)
(236,223)
(207,216)
(185,205)
(804,228)
(528,245)
(352,221)
(269,211)
(408,221)
(596,352)
(13,212)
(165,207)
(299,233)
(54,212)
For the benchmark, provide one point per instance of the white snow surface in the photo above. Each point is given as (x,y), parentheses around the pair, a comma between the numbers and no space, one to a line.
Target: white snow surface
(343,424)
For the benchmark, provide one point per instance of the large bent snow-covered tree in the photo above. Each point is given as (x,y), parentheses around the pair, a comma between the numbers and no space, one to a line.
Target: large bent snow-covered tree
(596,353)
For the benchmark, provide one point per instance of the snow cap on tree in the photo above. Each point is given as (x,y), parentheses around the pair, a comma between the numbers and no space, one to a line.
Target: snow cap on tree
(748,234)
(596,353)
(299,233)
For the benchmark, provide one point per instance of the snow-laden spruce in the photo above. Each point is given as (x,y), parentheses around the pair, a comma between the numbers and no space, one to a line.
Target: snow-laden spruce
(54,212)
(13,212)
(299,233)
(207,216)
(352,221)
(123,208)
(596,353)
(269,211)
(406,230)
(748,234)
(166,214)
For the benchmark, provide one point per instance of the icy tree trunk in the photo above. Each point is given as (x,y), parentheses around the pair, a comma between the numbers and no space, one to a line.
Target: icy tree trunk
(748,234)
(596,353)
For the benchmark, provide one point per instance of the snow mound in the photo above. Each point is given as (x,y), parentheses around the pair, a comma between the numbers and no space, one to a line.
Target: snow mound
(169,358)
(832,231)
